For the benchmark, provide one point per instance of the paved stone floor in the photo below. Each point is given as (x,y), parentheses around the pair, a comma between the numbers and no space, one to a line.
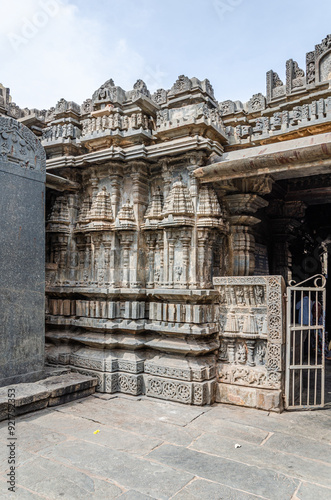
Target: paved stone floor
(150,449)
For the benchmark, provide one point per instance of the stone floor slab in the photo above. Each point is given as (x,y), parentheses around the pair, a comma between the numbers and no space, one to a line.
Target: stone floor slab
(93,432)
(308,491)
(292,423)
(33,438)
(260,456)
(300,446)
(135,495)
(55,480)
(227,428)
(21,456)
(152,427)
(200,488)
(156,480)
(135,452)
(259,481)
(21,493)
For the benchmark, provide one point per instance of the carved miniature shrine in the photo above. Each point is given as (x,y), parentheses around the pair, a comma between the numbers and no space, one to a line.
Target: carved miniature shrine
(170,219)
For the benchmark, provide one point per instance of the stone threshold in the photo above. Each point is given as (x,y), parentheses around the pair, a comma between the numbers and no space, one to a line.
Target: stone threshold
(54,390)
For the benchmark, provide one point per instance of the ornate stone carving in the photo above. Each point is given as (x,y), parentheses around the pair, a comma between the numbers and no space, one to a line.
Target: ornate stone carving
(311,68)
(170,390)
(251,327)
(227,107)
(140,89)
(132,254)
(20,147)
(183,84)
(104,92)
(160,96)
(178,204)
(256,103)
(295,76)
(275,86)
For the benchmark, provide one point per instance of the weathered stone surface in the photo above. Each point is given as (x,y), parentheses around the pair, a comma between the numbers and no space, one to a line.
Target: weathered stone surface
(307,491)
(206,466)
(301,446)
(134,495)
(51,391)
(257,480)
(81,428)
(295,464)
(33,438)
(200,488)
(64,482)
(131,472)
(151,425)
(230,429)
(22,242)
(137,230)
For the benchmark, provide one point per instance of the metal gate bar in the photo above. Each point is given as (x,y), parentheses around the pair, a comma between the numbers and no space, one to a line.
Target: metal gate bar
(305,335)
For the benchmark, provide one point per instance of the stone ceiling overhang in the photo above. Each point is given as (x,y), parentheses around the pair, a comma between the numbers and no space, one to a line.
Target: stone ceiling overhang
(60,183)
(294,158)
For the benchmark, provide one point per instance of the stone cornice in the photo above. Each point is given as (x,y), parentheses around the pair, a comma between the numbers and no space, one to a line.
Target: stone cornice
(294,158)
(140,152)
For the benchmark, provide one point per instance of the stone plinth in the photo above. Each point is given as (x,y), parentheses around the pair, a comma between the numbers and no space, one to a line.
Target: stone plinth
(22,256)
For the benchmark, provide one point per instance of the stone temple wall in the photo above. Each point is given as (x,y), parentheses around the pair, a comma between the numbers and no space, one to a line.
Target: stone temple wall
(129,278)
(22,253)
(155,208)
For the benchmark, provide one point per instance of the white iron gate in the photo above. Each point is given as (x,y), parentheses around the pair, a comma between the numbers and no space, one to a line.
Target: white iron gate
(305,338)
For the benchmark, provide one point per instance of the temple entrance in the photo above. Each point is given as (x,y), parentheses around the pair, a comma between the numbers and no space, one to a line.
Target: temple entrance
(305,344)
(308,372)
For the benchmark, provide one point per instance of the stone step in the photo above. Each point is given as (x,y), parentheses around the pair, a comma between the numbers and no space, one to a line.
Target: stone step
(51,391)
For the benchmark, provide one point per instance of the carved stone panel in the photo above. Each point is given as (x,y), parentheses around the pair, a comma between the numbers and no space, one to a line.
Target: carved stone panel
(252,332)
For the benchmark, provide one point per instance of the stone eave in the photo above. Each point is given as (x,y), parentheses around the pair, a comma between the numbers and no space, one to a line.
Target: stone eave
(60,183)
(293,158)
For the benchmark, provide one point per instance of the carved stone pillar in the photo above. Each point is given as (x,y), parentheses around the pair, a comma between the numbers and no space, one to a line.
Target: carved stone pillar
(87,274)
(112,267)
(203,235)
(167,178)
(126,242)
(97,265)
(151,244)
(243,249)
(62,255)
(194,183)
(160,249)
(231,344)
(285,218)
(81,258)
(171,257)
(196,161)
(250,352)
(241,207)
(185,239)
(139,189)
(94,184)
(115,183)
(107,250)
